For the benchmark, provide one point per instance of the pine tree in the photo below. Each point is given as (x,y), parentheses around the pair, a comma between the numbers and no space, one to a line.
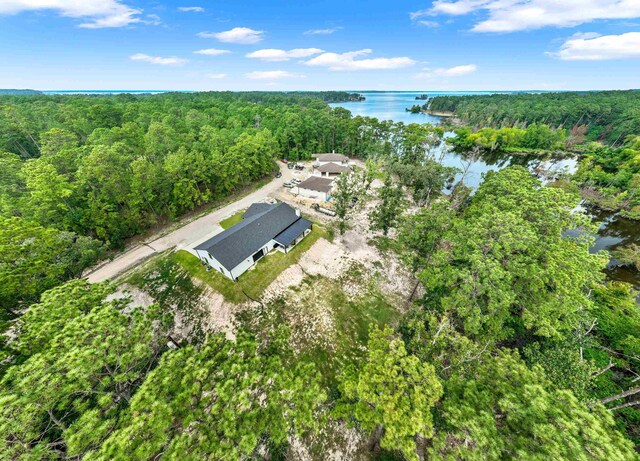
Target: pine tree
(392,395)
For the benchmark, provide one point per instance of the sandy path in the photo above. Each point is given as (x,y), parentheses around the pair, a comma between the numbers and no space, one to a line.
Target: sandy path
(187,234)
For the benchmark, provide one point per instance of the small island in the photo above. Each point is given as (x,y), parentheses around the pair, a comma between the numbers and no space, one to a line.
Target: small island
(422,97)
(417,108)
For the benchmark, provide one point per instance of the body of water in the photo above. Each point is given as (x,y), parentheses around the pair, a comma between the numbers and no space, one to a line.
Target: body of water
(391,105)
(614,230)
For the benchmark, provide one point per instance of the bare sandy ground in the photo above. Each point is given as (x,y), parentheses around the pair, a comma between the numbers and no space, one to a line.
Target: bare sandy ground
(332,259)
(138,297)
(336,441)
(219,313)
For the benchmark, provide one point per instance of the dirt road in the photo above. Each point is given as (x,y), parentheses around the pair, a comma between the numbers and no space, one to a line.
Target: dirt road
(187,234)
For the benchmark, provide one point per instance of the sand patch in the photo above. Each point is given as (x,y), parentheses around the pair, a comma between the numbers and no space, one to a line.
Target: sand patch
(326,259)
(137,297)
(219,313)
(335,442)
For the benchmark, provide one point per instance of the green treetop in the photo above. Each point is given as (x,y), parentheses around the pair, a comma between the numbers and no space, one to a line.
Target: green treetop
(392,395)
(220,400)
(508,411)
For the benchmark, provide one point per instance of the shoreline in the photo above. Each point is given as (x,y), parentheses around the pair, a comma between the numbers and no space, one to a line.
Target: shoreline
(439,114)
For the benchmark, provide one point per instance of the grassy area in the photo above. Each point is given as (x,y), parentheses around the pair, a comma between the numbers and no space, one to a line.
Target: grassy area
(353,318)
(328,326)
(385,244)
(172,288)
(254,281)
(232,220)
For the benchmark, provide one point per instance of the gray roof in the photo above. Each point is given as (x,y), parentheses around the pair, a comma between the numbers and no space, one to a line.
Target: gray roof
(333,168)
(292,232)
(333,157)
(232,246)
(316,183)
(256,208)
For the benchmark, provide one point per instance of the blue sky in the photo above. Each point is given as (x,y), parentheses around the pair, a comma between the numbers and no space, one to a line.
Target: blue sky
(319,45)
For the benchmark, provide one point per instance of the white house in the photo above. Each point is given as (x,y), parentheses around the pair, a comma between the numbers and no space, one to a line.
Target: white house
(264,227)
(315,187)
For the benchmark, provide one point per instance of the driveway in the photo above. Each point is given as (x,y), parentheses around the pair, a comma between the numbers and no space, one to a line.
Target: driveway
(187,234)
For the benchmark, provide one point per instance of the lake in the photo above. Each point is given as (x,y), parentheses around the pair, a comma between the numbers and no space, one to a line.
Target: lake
(391,105)
(614,230)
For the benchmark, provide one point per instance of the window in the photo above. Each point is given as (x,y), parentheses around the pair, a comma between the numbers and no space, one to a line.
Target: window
(258,255)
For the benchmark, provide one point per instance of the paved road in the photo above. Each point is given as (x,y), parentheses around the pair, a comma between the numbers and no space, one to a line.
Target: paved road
(188,234)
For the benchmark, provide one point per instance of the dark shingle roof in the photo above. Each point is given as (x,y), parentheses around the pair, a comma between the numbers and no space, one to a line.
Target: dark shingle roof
(333,168)
(256,208)
(333,157)
(292,232)
(316,183)
(232,246)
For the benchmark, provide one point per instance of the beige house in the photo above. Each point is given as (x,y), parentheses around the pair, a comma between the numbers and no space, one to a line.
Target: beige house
(331,170)
(315,187)
(323,159)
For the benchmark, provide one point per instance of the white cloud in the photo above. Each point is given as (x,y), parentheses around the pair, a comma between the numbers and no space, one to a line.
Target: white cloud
(455,71)
(515,15)
(191,9)
(169,61)
(239,35)
(327,31)
(212,52)
(216,76)
(429,24)
(271,54)
(271,75)
(348,61)
(98,13)
(152,20)
(593,47)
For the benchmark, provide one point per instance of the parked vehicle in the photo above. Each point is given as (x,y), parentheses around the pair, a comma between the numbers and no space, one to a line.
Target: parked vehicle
(290,166)
(279,174)
(296,181)
(288,185)
(322,210)
(284,160)
(299,167)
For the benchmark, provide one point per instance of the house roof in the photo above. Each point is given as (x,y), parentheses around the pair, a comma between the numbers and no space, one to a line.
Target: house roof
(232,246)
(316,183)
(256,208)
(292,232)
(333,168)
(333,157)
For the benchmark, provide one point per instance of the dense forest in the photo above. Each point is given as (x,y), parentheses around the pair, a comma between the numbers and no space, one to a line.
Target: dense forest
(610,116)
(110,167)
(513,344)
